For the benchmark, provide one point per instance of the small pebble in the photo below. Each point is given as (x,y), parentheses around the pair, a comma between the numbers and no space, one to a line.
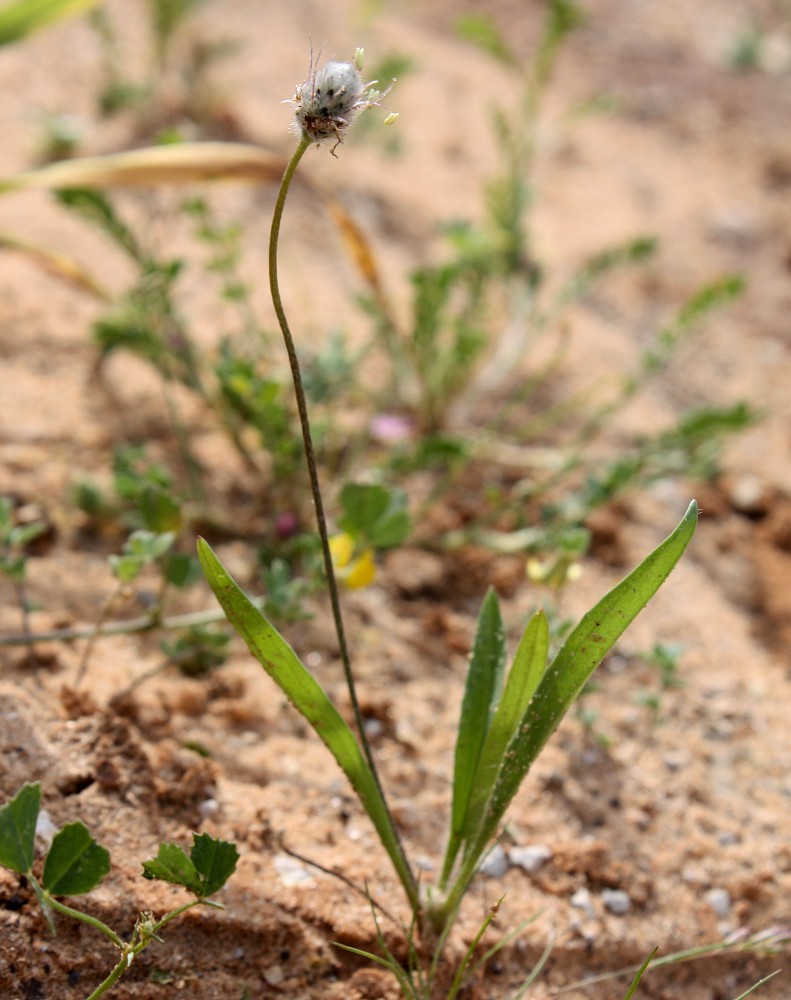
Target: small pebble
(274,975)
(45,828)
(693,874)
(291,871)
(582,900)
(617,901)
(374,728)
(675,760)
(209,808)
(496,863)
(720,901)
(735,225)
(530,858)
(748,494)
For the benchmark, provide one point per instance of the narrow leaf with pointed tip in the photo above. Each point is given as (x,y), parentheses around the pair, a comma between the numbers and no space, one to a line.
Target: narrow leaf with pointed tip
(309,698)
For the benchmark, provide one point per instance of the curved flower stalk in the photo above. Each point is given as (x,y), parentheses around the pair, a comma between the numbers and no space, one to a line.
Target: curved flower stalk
(325,107)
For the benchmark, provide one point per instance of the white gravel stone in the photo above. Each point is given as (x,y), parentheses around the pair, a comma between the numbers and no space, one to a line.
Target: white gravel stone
(617,901)
(530,858)
(496,863)
(719,900)
(583,900)
(274,975)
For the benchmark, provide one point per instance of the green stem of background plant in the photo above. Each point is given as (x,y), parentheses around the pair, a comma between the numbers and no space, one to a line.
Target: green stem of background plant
(310,458)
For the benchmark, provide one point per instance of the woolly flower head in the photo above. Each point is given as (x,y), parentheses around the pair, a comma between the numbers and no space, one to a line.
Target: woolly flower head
(327,104)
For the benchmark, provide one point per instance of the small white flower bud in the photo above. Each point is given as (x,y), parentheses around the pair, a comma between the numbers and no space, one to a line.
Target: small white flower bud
(328,102)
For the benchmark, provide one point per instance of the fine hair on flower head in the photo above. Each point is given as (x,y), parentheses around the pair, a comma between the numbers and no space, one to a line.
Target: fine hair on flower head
(328,103)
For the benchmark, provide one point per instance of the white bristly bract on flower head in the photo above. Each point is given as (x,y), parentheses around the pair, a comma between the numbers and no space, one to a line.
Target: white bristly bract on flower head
(328,102)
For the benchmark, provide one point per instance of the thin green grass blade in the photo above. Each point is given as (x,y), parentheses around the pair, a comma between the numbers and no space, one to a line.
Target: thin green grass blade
(636,981)
(26,16)
(760,983)
(390,964)
(590,641)
(505,941)
(469,954)
(483,687)
(309,698)
(679,957)
(389,961)
(535,972)
(524,677)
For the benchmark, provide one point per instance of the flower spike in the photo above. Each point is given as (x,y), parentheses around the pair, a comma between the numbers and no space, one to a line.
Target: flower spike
(327,104)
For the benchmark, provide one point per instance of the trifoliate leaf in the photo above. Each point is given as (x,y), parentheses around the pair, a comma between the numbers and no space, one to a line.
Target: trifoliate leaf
(204,872)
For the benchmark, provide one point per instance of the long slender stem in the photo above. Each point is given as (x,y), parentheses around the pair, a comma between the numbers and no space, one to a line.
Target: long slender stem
(85,918)
(310,458)
(104,614)
(119,969)
(163,921)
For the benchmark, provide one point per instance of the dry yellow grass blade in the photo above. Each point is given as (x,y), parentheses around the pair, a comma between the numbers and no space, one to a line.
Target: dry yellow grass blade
(183,163)
(58,264)
(357,245)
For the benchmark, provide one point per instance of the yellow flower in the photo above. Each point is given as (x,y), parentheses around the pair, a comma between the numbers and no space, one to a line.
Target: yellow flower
(554,573)
(353,570)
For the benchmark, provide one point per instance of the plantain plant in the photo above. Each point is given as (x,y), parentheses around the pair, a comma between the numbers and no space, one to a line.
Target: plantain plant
(511,705)
(507,713)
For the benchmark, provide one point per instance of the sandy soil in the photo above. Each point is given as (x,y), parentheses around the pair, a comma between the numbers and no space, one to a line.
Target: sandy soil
(684,805)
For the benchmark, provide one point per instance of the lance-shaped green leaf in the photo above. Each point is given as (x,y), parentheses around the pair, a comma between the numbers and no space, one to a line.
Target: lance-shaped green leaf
(484,683)
(584,649)
(75,863)
(18,828)
(524,676)
(309,698)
